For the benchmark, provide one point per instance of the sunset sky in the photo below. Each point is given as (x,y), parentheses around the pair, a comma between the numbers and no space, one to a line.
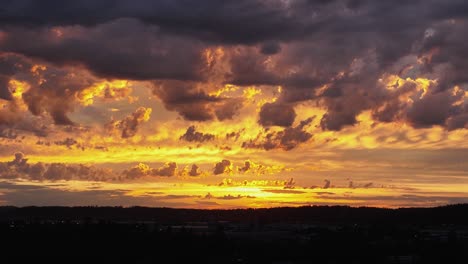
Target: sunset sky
(233,104)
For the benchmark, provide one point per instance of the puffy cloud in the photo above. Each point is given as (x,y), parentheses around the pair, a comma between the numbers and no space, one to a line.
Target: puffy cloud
(44,90)
(58,171)
(194,171)
(168,170)
(53,91)
(191,135)
(130,125)
(221,167)
(136,172)
(36,171)
(142,170)
(246,167)
(251,167)
(286,139)
(78,172)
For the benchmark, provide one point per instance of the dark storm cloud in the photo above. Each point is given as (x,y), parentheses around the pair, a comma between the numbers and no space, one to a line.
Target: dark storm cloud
(191,135)
(229,108)
(55,95)
(333,52)
(192,101)
(228,21)
(391,109)
(433,109)
(184,97)
(459,121)
(231,21)
(47,90)
(123,49)
(274,114)
(286,139)
(270,48)
(248,68)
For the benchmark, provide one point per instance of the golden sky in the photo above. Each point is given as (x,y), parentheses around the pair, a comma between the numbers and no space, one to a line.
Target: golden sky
(148,104)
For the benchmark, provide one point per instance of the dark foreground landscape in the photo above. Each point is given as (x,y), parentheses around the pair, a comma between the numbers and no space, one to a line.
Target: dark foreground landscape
(321,234)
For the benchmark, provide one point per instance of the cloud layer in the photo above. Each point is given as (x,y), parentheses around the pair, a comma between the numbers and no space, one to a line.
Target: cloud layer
(333,52)
(171,91)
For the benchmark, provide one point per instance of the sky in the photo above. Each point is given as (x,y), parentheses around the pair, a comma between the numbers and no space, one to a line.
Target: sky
(233,104)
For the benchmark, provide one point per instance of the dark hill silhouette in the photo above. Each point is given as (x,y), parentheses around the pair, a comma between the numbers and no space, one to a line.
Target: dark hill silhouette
(317,234)
(450,214)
